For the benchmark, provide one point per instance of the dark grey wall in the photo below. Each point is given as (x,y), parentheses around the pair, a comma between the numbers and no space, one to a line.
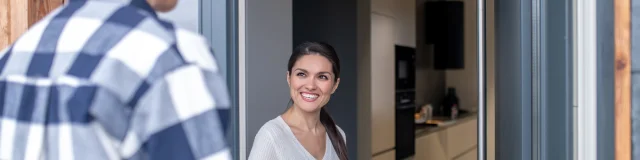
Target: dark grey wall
(635,78)
(268,46)
(513,79)
(334,22)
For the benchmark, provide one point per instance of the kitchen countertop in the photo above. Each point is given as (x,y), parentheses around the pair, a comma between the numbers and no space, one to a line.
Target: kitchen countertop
(423,130)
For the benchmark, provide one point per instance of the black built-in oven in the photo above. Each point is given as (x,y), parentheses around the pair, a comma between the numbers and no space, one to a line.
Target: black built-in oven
(405,101)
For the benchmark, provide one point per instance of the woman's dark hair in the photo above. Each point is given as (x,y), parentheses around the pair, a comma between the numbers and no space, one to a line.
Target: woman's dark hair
(327,51)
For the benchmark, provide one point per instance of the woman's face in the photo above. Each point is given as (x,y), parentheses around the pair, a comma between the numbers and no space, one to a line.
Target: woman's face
(311,82)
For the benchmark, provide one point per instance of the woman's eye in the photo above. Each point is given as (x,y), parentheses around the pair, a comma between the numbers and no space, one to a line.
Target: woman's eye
(300,74)
(324,77)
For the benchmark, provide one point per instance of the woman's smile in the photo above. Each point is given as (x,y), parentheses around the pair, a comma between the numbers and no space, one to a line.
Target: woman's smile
(309,97)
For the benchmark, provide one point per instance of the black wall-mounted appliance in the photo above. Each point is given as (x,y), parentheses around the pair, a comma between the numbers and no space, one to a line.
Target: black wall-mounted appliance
(444,29)
(405,101)
(405,67)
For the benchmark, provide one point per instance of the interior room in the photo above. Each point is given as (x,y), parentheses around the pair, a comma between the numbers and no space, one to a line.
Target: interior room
(397,57)
(409,86)
(435,51)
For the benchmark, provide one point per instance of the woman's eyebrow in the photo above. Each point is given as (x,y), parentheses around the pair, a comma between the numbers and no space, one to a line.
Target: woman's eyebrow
(303,70)
(329,73)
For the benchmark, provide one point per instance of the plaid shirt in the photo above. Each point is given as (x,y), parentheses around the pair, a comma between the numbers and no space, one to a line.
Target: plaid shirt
(105,80)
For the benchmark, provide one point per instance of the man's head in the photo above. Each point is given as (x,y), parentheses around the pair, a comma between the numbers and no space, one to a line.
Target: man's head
(162,5)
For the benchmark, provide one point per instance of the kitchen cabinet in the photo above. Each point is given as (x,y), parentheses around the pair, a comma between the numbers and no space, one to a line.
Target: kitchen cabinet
(455,142)
(382,83)
(389,155)
(430,147)
(470,155)
(461,138)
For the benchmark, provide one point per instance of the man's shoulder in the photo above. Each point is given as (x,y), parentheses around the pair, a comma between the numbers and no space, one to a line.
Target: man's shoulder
(193,47)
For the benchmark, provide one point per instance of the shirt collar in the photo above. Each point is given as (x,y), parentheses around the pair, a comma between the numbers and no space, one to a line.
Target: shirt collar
(144,5)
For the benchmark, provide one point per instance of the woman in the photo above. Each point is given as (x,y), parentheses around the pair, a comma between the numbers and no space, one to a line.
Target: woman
(305,130)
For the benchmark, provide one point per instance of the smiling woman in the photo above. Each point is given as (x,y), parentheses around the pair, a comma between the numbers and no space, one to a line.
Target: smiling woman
(305,130)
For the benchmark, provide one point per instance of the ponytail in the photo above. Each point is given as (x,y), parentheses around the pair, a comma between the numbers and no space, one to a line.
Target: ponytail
(334,135)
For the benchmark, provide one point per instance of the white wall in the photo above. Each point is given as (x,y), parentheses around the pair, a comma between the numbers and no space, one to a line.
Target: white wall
(404,15)
(382,85)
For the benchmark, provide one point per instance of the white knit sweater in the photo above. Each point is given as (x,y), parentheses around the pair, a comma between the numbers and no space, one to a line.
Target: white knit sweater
(276,141)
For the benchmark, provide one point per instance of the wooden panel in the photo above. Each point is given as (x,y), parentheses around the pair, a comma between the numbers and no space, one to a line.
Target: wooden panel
(19,18)
(389,155)
(382,83)
(461,138)
(622,79)
(430,147)
(5,28)
(17,15)
(40,8)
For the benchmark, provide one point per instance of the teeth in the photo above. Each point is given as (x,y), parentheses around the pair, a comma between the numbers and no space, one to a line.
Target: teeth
(310,96)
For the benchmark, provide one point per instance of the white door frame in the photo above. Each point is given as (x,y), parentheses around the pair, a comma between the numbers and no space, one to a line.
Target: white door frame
(585,80)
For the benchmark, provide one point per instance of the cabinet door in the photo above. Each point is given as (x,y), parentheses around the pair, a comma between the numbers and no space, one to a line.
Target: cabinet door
(382,83)
(430,147)
(389,155)
(470,155)
(461,137)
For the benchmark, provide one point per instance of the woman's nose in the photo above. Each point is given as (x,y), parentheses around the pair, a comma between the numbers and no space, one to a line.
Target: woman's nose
(311,85)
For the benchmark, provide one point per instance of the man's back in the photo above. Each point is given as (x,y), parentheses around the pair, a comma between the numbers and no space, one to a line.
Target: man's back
(103,80)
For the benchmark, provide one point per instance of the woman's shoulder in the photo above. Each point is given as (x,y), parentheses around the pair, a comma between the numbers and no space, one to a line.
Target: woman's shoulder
(273,128)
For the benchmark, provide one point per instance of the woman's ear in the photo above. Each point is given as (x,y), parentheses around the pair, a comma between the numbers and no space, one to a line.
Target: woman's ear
(335,87)
(288,79)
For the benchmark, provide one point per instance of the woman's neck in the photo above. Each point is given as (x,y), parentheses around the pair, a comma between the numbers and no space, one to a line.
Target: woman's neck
(306,121)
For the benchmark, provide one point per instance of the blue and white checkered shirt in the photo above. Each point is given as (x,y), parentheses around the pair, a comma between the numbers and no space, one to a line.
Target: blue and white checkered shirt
(105,80)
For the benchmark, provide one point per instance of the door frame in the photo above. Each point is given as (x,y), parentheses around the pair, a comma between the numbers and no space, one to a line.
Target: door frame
(534,79)
(219,21)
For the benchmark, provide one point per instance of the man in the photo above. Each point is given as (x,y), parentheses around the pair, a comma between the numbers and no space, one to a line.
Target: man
(106,79)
